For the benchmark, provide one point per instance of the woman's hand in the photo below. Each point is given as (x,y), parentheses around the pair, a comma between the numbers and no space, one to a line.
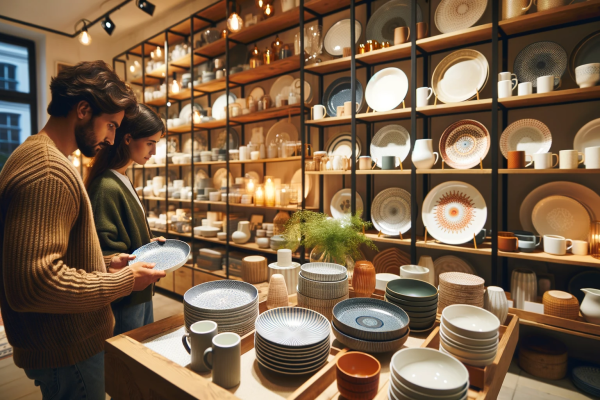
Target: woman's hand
(159,239)
(120,260)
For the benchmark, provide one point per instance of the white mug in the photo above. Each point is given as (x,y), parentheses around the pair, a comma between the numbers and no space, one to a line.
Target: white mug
(319,111)
(557,245)
(507,76)
(423,96)
(544,160)
(224,359)
(505,89)
(218,74)
(580,247)
(525,88)
(545,84)
(339,162)
(569,159)
(243,153)
(592,157)
(348,108)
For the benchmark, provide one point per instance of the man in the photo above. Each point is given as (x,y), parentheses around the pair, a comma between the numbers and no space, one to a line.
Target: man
(55,291)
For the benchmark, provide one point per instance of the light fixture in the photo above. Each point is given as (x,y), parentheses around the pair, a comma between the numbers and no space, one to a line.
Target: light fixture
(108,25)
(175,86)
(84,37)
(235,22)
(134,66)
(268,11)
(262,3)
(158,51)
(146,6)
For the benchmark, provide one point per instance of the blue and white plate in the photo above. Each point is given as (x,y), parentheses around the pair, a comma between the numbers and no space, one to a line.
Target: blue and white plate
(168,255)
(339,92)
(587,378)
(370,319)
(222,295)
(292,326)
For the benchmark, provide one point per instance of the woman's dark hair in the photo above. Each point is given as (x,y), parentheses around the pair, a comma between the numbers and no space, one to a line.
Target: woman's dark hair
(94,82)
(143,124)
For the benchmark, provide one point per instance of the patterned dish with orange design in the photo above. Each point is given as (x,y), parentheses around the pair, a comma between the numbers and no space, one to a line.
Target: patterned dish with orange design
(453,212)
(530,135)
(464,144)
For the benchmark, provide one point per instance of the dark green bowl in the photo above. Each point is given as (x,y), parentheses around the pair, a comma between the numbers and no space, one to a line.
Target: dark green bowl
(411,290)
(422,314)
(418,326)
(412,303)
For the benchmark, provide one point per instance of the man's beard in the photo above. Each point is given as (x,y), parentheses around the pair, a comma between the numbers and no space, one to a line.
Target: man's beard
(86,139)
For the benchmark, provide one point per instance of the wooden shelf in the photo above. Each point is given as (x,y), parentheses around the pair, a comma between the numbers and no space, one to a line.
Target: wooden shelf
(570,259)
(553,171)
(400,113)
(277,23)
(483,249)
(264,160)
(456,108)
(374,236)
(161,101)
(550,322)
(555,97)
(460,38)
(150,81)
(183,94)
(451,171)
(270,113)
(329,121)
(362,172)
(185,235)
(160,72)
(246,246)
(222,203)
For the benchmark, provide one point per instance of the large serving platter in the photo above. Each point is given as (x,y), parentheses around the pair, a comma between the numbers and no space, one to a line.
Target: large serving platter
(562,216)
(378,94)
(340,91)
(456,15)
(338,36)
(460,76)
(587,136)
(390,211)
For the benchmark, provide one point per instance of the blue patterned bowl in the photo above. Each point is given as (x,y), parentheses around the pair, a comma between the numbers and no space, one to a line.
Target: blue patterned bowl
(370,319)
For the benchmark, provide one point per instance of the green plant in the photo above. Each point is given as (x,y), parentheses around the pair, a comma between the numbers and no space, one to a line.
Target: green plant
(337,237)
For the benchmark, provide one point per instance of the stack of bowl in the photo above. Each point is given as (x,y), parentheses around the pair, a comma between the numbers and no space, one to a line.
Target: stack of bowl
(460,288)
(470,334)
(418,298)
(422,373)
(370,325)
(321,286)
(560,304)
(357,376)
(233,305)
(292,340)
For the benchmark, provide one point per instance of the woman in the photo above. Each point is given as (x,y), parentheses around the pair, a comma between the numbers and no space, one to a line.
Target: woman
(118,212)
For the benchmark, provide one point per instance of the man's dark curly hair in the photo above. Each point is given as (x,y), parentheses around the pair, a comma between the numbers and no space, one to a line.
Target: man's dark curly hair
(94,82)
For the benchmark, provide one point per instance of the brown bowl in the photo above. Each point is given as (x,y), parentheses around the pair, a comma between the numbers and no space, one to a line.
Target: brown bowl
(359,388)
(357,367)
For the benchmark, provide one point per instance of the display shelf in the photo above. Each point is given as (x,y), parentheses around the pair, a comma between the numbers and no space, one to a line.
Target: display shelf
(452,171)
(264,160)
(246,246)
(267,27)
(183,94)
(553,171)
(329,121)
(160,102)
(483,249)
(555,97)
(570,259)
(160,72)
(175,233)
(550,322)
(214,12)
(269,113)
(150,81)
(456,108)
(222,203)
(401,113)
(375,237)
(362,172)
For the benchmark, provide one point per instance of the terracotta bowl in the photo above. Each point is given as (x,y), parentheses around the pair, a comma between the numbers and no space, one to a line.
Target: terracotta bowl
(358,368)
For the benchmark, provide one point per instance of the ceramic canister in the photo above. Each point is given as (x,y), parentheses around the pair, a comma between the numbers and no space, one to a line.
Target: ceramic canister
(494,300)
(523,287)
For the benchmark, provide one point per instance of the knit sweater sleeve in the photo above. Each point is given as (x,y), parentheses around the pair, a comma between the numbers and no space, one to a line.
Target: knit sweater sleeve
(36,236)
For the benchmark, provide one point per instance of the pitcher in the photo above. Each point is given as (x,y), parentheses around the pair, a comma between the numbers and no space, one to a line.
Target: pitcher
(423,156)
(590,306)
(515,8)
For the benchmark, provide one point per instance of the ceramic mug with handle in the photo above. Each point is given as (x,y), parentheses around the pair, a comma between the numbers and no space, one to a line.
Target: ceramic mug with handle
(224,359)
(557,245)
(200,337)
(592,157)
(570,159)
(423,96)
(545,84)
(544,160)
(319,112)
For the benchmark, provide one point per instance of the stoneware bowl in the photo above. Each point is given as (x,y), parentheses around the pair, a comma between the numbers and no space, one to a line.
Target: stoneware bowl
(401,391)
(471,321)
(412,290)
(381,280)
(370,319)
(414,272)
(357,367)
(467,341)
(322,290)
(587,75)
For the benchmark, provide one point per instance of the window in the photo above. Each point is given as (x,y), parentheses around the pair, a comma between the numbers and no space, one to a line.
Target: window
(18,100)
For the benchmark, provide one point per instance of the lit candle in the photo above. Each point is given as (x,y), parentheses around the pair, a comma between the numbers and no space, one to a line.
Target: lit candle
(269,193)
(259,197)
(250,186)
(285,198)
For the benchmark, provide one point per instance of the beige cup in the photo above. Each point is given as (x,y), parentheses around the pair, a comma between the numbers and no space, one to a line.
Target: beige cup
(401,35)
(592,157)
(544,160)
(543,5)
(515,8)
(569,159)
(580,247)
(318,111)
(340,111)
(348,108)
(422,30)
(364,163)
(347,51)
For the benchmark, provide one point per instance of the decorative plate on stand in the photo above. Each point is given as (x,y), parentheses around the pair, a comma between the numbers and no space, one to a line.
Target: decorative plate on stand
(339,92)
(391,15)
(529,135)
(390,211)
(391,140)
(453,212)
(451,264)
(338,36)
(342,145)
(283,86)
(562,216)
(464,144)
(378,95)
(460,76)
(540,59)
(341,203)
(455,15)
(587,136)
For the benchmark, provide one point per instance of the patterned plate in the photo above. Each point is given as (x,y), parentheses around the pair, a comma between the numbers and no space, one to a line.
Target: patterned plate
(540,59)
(530,135)
(341,145)
(339,92)
(391,140)
(460,75)
(587,51)
(587,378)
(338,37)
(453,212)
(378,95)
(323,272)
(563,216)
(455,15)
(168,255)
(390,211)
(370,319)
(341,203)
(292,326)
(221,295)
(464,143)
(391,15)
(451,264)
(587,136)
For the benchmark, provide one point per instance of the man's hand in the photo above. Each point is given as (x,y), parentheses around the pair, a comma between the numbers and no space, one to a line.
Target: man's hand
(119,261)
(159,239)
(144,275)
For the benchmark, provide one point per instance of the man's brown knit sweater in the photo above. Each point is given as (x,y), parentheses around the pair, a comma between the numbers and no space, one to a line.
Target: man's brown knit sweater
(55,293)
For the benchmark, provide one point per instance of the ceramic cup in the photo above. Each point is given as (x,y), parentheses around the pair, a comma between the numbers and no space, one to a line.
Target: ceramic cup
(422,30)
(569,159)
(340,163)
(219,74)
(580,247)
(388,162)
(592,157)
(505,89)
(401,35)
(545,84)
(525,88)
(339,111)
(516,159)
(507,76)
(557,245)
(347,51)
(364,162)
(507,241)
(587,75)
(544,160)
(200,336)
(528,241)
(348,108)
(319,111)
(415,272)
(423,96)
(224,359)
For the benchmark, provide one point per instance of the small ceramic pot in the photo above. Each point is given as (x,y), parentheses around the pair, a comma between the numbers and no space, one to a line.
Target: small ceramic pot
(363,280)
(494,300)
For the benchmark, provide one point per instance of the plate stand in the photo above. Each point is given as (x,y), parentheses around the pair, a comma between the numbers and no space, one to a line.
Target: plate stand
(480,164)
(425,238)
(399,233)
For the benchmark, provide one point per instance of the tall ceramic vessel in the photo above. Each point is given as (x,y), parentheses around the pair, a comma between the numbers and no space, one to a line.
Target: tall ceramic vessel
(494,300)
(523,287)
(427,262)
(423,156)
(242,235)
(590,306)
(363,280)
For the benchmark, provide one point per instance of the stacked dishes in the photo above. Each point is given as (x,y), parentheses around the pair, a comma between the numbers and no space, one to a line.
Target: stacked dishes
(418,299)
(370,325)
(587,379)
(292,340)
(233,305)
(460,288)
(422,373)
(321,286)
(470,334)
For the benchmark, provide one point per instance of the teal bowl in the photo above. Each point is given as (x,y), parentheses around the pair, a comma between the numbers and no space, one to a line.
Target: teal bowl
(412,290)
(410,303)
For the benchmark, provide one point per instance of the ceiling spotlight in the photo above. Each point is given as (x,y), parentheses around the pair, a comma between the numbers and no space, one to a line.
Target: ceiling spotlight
(146,6)
(108,25)
(84,37)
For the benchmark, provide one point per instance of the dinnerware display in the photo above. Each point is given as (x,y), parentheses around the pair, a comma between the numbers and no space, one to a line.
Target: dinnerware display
(338,36)
(423,156)
(525,88)
(460,76)
(586,379)
(342,145)
(587,51)
(224,359)
(451,264)
(391,140)
(415,272)
(168,255)
(388,260)
(460,288)
(455,15)
(588,136)
(385,19)
(523,287)
(453,212)
(545,84)
(338,92)
(370,319)
(340,203)
(419,299)
(543,357)
(323,272)
(540,59)
(561,215)
(529,135)
(495,301)
(464,144)
(232,305)
(378,95)
(583,280)
(292,340)
(363,278)
(200,337)
(560,304)
(590,306)
(381,280)
(390,211)
(357,375)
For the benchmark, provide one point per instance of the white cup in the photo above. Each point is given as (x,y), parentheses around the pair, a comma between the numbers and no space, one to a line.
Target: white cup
(525,88)
(423,96)
(505,88)
(544,160)
(319,111)
(243,153)
(592,157)
(507,76)
(545,84)
(569,159)
(219,74)
(255,155)
(339,162)
(557,245)
(580,247)
(348,108)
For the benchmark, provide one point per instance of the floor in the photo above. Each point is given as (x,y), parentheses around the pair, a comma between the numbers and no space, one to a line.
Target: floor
(518,385)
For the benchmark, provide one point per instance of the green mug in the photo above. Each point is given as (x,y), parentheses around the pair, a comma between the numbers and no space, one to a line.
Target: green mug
(388,162)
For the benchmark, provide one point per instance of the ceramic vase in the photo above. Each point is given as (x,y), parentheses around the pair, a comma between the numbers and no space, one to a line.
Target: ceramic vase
(278,295)
(423,156)
(494,300)
(242,235)
(254,269)
(523,287)
(363,279)
(427,262)
(590,306)
(279,222)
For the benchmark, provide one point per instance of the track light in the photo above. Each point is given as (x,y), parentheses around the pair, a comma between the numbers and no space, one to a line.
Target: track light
(146,6)
(84,37)
(108,25)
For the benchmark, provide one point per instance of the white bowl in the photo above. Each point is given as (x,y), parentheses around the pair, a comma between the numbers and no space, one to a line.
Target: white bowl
(208,231)
(471,321)
(466,340)
(381,280)
(222,235)
(466,347)
(414,272)
(460,352)
(262,242)
(469,361)
(402,391)
(429,371)
(587,75)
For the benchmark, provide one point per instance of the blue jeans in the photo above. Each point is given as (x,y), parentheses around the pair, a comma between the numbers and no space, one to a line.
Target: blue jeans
(84,380)
(132,317)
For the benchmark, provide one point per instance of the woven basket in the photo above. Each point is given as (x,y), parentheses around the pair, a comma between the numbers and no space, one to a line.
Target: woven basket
(560,304)
(254,269)
(543,357)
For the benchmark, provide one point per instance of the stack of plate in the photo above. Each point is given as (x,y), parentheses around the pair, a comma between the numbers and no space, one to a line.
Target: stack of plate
(370,325)
(233,305)
(321,286)
(418,299)
(422,373)
(587,379)
(470,334)
(460,288)
(292,340)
